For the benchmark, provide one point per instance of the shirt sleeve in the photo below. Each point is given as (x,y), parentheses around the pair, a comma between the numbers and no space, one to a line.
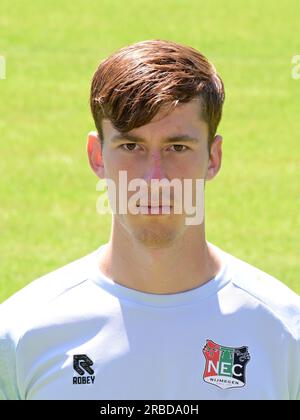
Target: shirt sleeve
(294,369)
(8,377)
(298,359)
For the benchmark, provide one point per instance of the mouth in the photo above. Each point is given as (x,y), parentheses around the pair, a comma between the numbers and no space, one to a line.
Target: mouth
(155,210)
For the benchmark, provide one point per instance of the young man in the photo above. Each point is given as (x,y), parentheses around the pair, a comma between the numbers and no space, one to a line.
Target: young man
(158,312)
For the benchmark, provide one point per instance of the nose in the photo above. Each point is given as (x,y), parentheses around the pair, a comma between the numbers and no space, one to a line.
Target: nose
(155,170)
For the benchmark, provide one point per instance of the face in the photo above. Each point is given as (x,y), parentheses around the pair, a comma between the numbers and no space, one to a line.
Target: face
(173,146)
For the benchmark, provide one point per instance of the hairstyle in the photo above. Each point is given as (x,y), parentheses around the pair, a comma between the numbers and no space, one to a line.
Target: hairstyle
(133,84)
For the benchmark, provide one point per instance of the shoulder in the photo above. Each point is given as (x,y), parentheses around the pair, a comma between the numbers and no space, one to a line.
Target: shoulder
(20,310)
(279,300)
(51,285)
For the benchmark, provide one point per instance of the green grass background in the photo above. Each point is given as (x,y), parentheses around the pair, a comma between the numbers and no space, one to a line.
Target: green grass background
(48,192)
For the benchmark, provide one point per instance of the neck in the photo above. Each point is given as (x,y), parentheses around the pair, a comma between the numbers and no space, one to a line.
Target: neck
(186,264)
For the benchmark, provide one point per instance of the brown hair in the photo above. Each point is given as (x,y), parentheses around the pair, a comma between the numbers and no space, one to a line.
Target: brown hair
(133,84)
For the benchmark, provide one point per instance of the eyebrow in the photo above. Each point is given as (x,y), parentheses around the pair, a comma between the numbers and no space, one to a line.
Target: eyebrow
(183,138)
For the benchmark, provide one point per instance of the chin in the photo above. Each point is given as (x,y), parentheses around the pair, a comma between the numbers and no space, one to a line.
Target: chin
(156,238)
(153,233)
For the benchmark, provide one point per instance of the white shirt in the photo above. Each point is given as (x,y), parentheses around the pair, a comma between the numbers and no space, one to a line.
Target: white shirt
(75,334)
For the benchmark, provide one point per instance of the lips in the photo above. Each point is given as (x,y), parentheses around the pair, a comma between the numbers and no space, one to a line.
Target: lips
(155,209)
(154,206)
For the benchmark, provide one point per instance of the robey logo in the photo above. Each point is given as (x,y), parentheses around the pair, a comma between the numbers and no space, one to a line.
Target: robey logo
(82,365)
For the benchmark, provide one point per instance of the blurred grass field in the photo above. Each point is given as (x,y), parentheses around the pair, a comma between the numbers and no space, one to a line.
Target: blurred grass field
(48,192)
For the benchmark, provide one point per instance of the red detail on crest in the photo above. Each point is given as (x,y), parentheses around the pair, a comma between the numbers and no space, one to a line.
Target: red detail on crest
(212,353)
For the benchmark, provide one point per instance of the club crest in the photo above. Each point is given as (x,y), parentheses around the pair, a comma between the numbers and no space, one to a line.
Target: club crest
(225,367)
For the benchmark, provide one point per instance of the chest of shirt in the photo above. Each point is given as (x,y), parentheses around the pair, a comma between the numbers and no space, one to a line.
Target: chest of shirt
(160,361)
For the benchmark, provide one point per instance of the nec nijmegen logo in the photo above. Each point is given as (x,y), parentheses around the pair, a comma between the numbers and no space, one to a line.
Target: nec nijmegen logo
(82,365)
(225,366)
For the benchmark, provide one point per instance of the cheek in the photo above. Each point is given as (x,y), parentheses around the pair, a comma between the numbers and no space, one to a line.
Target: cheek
(115,164)
(189,168)
(199,164)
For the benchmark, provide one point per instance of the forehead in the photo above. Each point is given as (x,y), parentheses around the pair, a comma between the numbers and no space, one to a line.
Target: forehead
(185,120)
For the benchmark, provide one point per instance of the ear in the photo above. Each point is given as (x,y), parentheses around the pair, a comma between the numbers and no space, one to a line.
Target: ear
(215,159)
(94,151)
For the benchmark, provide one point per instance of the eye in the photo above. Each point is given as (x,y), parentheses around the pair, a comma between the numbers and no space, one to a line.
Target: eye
(178,147)
(128,147)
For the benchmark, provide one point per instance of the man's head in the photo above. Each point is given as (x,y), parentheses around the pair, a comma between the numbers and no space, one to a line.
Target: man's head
(133,84)
(156,106)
